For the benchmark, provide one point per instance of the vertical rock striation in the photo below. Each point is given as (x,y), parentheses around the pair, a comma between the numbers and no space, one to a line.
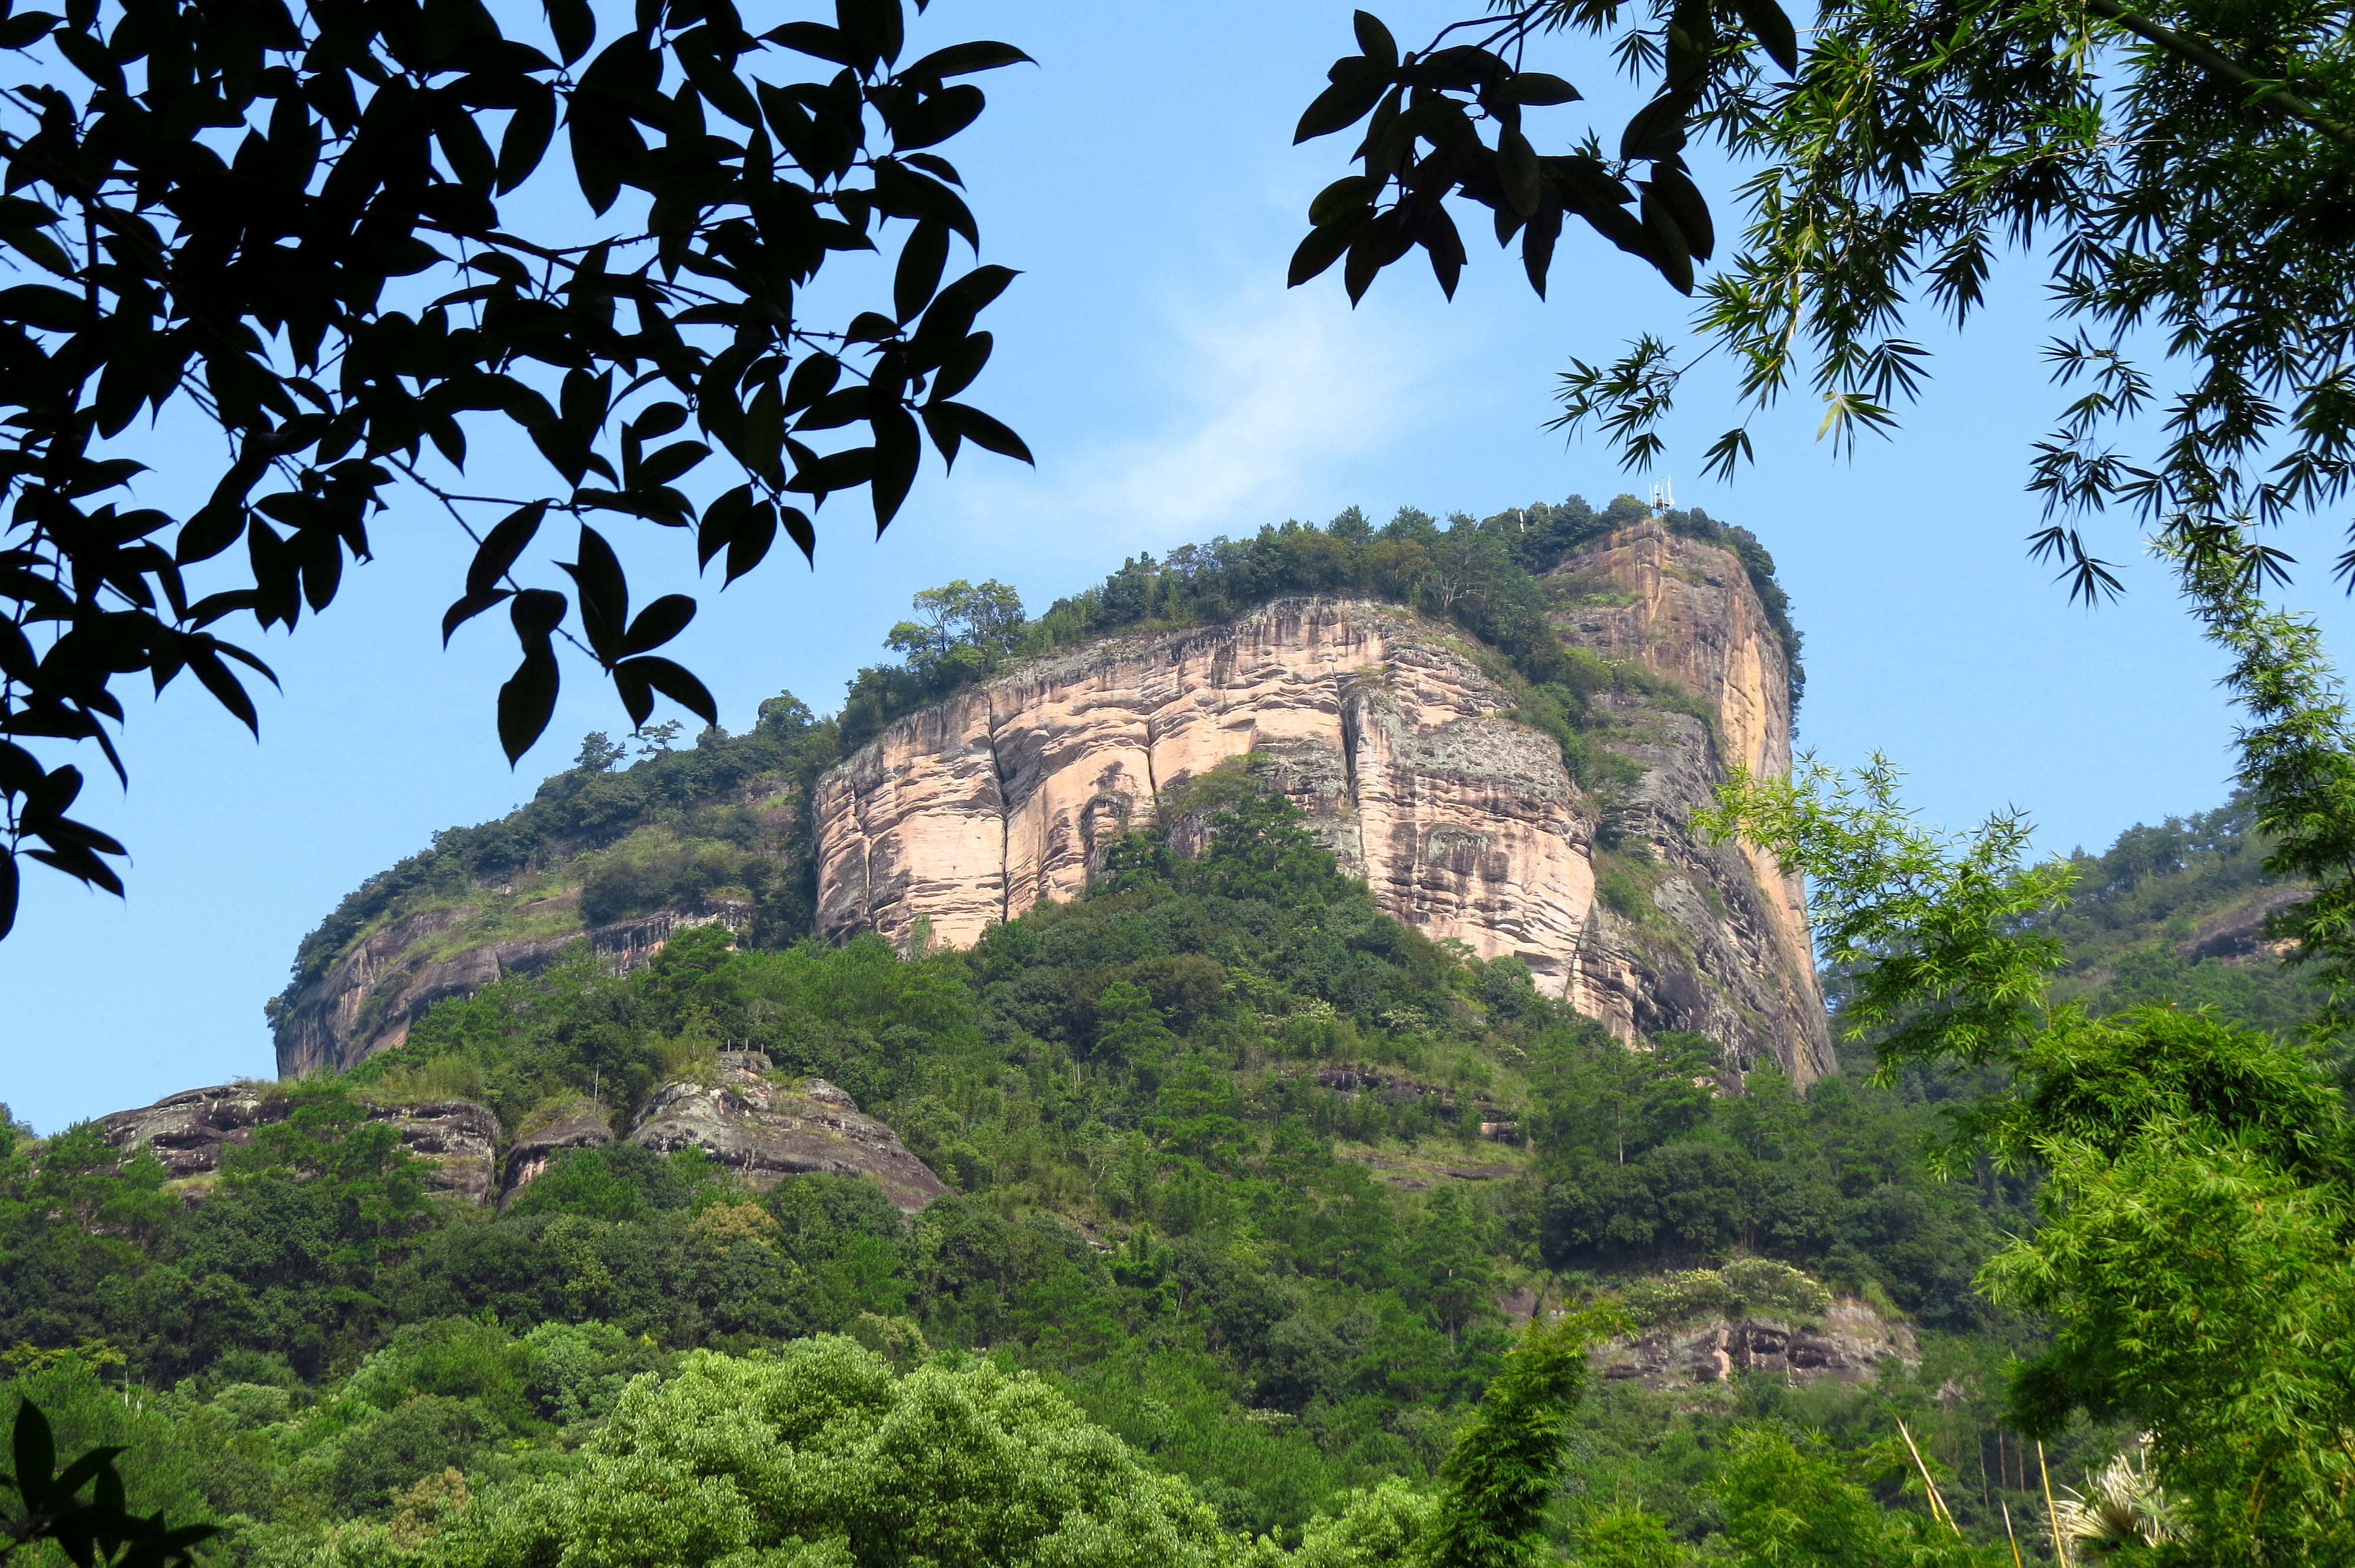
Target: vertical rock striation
(1718,942)
(1381,725)
(1378,723)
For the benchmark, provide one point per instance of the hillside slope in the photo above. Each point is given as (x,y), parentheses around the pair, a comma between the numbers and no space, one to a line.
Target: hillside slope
(1256,1173)
(1259,1177)
(1512,765)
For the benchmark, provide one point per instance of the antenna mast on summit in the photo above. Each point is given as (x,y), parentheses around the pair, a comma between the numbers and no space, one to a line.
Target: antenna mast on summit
(1663,497)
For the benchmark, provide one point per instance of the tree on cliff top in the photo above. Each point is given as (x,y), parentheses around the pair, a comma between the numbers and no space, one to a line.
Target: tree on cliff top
(317,230)
(2188,166)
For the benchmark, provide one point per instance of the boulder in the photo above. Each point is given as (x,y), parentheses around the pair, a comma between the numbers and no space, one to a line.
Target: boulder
(766,1130)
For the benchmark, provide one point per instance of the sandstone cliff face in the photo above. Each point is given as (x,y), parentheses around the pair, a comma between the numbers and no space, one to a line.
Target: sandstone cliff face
(1380,724)
(372,996)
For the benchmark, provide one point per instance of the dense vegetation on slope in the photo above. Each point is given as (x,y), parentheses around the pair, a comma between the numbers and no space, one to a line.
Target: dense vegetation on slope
(2174,913)
(689,823)
(1182,1199)
(1224,1203)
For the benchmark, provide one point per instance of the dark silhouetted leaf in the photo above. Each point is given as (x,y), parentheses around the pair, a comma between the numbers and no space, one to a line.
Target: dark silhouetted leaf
(658,623)
(1771,27)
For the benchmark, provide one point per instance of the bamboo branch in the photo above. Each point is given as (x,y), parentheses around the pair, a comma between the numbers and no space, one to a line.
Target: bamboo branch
(2192,51)
(2060,1546)
(1938,1508)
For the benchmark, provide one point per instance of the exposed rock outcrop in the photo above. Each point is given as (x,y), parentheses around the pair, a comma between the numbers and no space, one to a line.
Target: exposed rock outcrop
(1378,723)
(583,1124)
(1386,726)
(761,1129)
(765,1131)
(190,1132)
(367,1002)
(1849,1343)
(1741,962)
(1383,726)
(2237,935)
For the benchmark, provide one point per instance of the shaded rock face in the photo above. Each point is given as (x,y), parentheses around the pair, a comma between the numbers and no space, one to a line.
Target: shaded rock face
(1719,946)
(766,1131)
(1849,1344)
(190,1133)
(372,996)
(762,1130)
(1378,722)
(2238,935)
(581,1125)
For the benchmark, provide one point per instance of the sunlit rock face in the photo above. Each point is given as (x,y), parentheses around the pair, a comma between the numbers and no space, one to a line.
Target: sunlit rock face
(1382,726)
(742,1116)
(455,1141)
(766,1130)
(1377,722)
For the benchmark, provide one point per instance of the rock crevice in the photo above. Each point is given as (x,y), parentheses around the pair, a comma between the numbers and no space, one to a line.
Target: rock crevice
(1378,722)
(1383,726)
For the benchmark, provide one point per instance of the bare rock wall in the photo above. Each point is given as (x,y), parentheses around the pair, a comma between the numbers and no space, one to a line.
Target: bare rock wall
(1379,723)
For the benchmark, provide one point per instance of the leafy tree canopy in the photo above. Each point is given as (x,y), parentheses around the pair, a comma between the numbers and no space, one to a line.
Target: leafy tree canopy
(1481,573)
(2183,165)
(2198,1178)
(324,233)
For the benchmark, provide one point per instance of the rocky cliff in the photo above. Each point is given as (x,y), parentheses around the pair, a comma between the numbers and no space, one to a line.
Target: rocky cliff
(189,1132)
(1711,938)
(1394,731)
(1379,723)
(762,1127)
(1848,1342)
(366,1002)
(1391,731)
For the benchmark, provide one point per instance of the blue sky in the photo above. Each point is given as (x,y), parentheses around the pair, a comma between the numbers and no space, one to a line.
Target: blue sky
(1173,389)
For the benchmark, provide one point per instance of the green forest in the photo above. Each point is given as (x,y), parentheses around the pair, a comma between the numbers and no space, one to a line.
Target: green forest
(1190,1286)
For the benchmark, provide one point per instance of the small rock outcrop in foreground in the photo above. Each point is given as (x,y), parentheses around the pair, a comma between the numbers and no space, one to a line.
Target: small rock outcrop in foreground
(761,1129)
(190,1132)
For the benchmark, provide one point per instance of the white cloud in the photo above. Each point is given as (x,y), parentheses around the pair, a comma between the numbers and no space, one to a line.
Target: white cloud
(1257,402)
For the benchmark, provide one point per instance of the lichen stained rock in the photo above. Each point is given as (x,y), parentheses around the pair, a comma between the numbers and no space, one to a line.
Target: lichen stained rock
(1849,1343)
(372,996)
(764,1131)
(1378,722)
(189,1133)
